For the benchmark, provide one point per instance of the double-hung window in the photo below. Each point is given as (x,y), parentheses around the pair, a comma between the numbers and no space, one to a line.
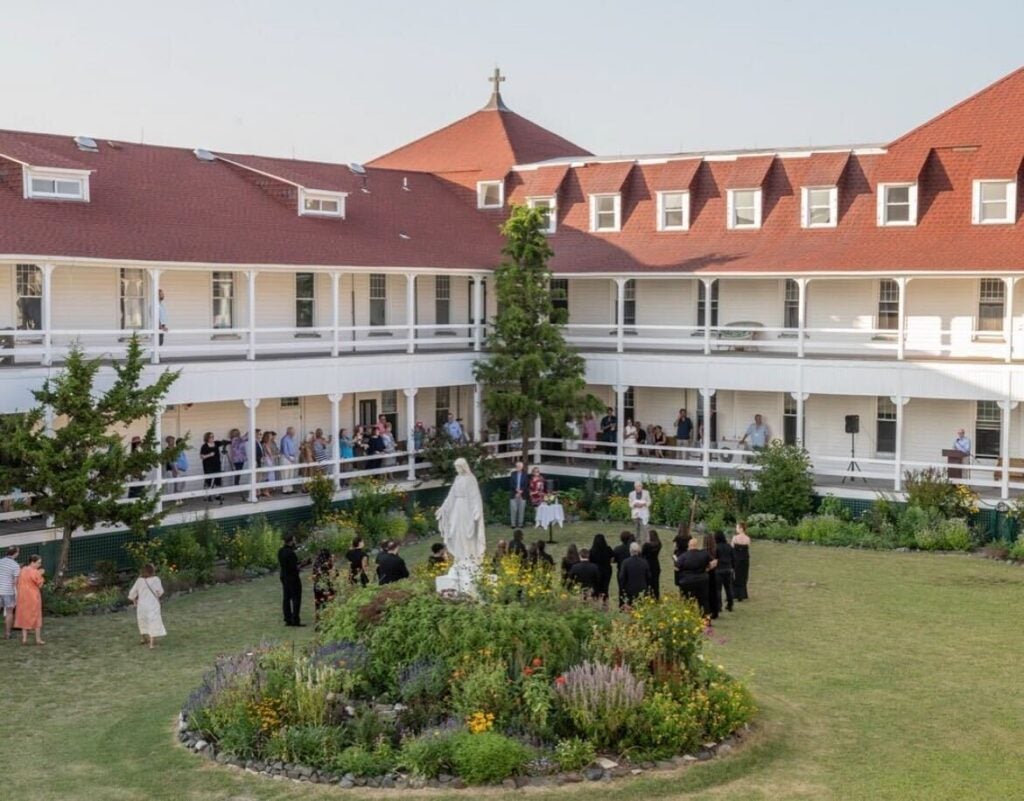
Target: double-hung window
(744,208)
(559,288)
(991,304)
(885,426)
(605,212)
(29,280)
(702,304)
(789,420)
(549,212)
(994,202)
(673,211)
(442,405)
(819,206)
(223,300)
(305,300)
(442,299)
(888,305)
(791,305)
(897,204)
(378,299)
(490,194)
(988,429)
(133,298)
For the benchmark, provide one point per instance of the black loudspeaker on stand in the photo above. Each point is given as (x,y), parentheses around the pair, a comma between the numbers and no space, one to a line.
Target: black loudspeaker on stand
(853,428)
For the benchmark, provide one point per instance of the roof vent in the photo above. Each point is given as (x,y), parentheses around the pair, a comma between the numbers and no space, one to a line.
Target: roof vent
(358,169)
(402,235)
(114,145)
(87,144)
(405,185)
(204,155)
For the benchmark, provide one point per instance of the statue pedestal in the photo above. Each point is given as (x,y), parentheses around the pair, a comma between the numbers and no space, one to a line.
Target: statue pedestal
(459,580)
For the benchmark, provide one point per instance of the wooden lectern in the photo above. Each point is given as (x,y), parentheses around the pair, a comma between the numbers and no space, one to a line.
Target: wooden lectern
(954,457)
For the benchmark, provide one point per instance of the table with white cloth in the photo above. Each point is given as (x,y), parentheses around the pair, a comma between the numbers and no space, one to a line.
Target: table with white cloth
(549,514)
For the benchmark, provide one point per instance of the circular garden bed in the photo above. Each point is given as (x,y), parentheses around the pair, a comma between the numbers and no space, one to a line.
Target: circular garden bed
(528,684)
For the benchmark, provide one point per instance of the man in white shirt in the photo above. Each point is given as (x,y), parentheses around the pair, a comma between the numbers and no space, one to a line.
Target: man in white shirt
(640,510)
(962,443)
(453,429)
(757,433)
(289,455)
(9,572)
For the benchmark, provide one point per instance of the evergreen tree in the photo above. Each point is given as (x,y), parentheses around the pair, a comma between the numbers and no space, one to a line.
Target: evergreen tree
(77,472)
(529,370)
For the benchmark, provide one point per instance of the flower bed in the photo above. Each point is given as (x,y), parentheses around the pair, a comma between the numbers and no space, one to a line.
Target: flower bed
(527,684)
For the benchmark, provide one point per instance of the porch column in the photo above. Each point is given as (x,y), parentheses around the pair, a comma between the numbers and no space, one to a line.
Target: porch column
(477,405)
(250,405)
(335,399)
(801,322)
(154,313)
(250,278)
(705,443)
(537,431)
(1004,448)
(620,313)
(410,311)
(901,284)
(478,311)
(1008,318)
(47,312)
(410,427)
(707,283)
(335,311)
(800,398)
(620,413)
(899,402)
(158,431)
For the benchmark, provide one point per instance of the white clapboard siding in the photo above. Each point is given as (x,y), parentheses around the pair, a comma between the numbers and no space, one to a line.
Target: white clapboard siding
(743,300)
(665,302)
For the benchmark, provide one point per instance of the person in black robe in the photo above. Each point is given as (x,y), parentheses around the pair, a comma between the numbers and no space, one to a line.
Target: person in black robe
(619,555)
(540,556)
(357,563)
(517,547)
(651,551)
(741,561)
(585,575)
(572,556)
(724,571)
(601,555)
(376,445)
(390,566)
(291,582)
(692,567)
(634,576)
(714,590)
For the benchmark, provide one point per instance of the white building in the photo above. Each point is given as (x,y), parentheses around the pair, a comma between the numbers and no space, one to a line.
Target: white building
(805,285)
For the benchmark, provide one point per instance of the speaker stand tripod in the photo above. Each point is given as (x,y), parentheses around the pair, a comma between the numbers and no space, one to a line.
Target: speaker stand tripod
(853,468)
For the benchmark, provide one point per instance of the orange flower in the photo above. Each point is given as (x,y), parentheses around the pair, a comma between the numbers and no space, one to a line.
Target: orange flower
(560,681)
(537,662)
(527,671)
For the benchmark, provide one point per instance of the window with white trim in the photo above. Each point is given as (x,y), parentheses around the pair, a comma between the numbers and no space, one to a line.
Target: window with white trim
(490,194)
(223,299)
(991,304)
(820,206)
(29,289)
(702,303)
(885,425)
(290,402)
(321,204)
(791,305)
(389,408)
(994,202)
(628,405)
(744,208)
(305,300)
(559,288)
(897,204)
(442,405)
(442,299)
(549,212)
(789,419)
(605,212)
(133,298)
(56,184)
(673,211)
(888,305)
(378,299)
(988,428)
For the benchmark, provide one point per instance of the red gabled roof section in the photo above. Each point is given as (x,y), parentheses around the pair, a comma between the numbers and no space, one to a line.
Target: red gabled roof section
(747,172)
(543,181)
(676,174)
(604,179)
(825,169)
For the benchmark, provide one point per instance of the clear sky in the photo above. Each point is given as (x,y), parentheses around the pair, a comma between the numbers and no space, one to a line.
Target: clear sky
(345,81)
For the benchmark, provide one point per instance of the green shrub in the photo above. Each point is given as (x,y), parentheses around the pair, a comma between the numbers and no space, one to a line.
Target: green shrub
(670,504)
(232,722)
(833,507)
(321,495)
(1017,550)
(482,685)
(208,534)
(253,545)
(488,757)
(574,754)
(724,704)
(497,510)
(107,573)
(600,700)
(397,526)
(361,761)
(182,552)
(931,490)
(662,727)
(619,510)
(785,485)
(60,603)
(945,535)
(316,746)
(428,755)
(767,526)
(721,504)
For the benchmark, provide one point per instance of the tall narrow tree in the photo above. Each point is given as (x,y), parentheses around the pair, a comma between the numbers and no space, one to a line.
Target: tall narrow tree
(530,371)
(77,473)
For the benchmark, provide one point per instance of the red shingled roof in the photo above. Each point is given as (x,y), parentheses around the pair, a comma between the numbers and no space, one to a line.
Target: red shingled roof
(677,174)
(747,172)
(543,181)
(599,179)
(162,204)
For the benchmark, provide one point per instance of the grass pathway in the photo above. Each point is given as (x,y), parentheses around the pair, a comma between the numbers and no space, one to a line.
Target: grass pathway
(880,675)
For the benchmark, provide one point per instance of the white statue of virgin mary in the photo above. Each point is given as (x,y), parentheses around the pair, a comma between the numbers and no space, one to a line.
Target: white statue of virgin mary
(461,522)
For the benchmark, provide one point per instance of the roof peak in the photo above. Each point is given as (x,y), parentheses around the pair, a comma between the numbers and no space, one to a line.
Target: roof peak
(496,103)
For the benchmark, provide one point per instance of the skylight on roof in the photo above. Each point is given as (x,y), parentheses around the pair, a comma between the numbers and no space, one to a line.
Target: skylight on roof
(204,155)
(87,143)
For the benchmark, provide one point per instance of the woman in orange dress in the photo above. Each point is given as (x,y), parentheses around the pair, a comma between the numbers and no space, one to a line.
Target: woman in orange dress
(28,614)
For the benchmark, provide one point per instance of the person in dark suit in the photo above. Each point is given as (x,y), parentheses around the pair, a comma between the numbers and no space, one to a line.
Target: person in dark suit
(572,556)
(634,576)
(517,547)
(619,555)
(601,555)
(291,583)
(376,445)
(585,575)
(725,569)
(518,486)
(609,430)
(390,566)
(692,567)
(651,551)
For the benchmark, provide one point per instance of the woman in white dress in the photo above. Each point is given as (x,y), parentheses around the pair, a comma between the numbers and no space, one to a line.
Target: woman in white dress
(145,594)
(571,443)
(629,449)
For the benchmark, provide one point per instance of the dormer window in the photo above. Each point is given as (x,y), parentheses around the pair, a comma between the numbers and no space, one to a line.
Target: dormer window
(605,212)
(548,210)
(316,203)
(819,208)
(56,184)
(994,202)
(897,204)
(490,194)
(673,211)
(744,209)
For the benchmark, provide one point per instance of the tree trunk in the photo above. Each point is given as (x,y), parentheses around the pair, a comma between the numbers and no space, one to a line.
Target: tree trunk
(65,555)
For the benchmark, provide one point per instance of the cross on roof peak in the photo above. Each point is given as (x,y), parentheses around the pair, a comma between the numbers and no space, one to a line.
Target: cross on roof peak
(496,103)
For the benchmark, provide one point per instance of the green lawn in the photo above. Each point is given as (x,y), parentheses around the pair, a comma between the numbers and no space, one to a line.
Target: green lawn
(880,675)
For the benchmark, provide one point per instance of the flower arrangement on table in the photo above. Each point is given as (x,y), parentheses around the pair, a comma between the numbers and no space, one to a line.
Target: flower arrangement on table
(551,497)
